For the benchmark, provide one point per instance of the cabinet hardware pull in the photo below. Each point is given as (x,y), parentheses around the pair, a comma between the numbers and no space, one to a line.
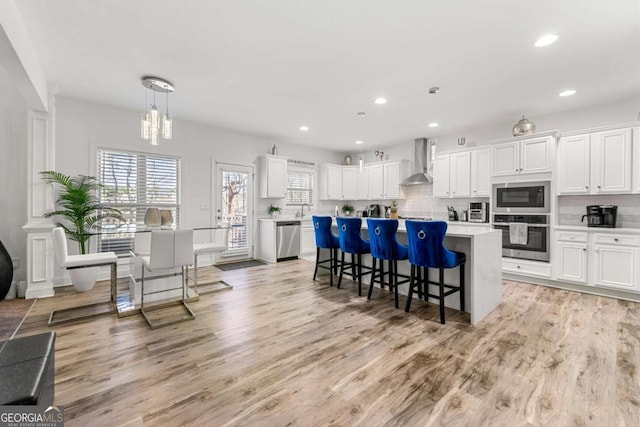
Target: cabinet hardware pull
(517,266)
(615,239)
(599,187)
(584,249)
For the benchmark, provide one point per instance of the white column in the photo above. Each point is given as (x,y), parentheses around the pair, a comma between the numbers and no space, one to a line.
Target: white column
(40,199)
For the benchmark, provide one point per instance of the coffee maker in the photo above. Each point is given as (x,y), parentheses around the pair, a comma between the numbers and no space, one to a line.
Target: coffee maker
(373,211)
(601,216)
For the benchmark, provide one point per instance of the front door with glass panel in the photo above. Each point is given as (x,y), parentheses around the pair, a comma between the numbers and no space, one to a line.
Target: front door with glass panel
(234,208)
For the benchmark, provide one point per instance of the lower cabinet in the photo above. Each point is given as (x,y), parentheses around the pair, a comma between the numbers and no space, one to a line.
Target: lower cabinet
(595,259)
(307,238)
(572,256)
(526,267)
(615,265)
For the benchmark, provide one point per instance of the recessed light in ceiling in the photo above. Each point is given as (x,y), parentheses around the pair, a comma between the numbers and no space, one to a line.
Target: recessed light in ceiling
(433,125)
(304,128)
(546,40)
(359,142)
(567,92)
(380,101)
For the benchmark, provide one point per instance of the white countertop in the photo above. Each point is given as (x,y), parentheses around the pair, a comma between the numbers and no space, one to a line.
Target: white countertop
(586,229)
(455,229)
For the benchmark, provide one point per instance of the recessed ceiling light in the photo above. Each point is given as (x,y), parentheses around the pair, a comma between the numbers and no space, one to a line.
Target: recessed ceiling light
(380,101)
(546,40)
(304,128)
(433,125)
(567,92)
(359,142)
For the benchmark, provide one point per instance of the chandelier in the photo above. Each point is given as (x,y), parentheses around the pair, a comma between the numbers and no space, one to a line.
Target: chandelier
(152,126)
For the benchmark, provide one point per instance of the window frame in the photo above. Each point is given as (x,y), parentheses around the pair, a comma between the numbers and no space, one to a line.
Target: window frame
(301,168)
(140,206)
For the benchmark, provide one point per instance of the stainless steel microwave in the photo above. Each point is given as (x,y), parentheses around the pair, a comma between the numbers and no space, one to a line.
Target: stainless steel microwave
(521,197)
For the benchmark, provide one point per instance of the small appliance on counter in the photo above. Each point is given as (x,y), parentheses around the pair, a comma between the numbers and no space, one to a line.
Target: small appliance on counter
(479,212)
(373,211)
(601,216)
(453,215)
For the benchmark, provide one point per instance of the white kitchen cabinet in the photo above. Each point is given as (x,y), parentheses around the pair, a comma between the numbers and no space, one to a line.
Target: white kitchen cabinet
(307,238)
(385,179)
(481,173)
(574,164)
(460,174)
(273,177)
(362,184)
(349,182)
(611,161)
(526,268)
(616,259)
(572,256)
(391,179)
(528,156)
(333,178)
(463,174)
(441,176)
(595,163)
(376,181)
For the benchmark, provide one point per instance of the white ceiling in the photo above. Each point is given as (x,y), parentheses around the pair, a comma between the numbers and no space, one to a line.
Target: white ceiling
(267,67)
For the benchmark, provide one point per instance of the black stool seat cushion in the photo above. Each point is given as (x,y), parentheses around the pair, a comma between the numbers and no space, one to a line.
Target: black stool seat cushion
(27,370)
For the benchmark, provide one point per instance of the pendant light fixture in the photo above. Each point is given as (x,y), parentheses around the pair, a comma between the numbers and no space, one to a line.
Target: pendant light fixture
(361,115)
(150,123)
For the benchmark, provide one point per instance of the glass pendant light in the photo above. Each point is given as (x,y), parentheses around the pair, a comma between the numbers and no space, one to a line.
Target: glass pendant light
(152,125)
(361,115)
(167,124)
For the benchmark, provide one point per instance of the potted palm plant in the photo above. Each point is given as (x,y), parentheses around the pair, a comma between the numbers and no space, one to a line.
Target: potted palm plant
(81,214)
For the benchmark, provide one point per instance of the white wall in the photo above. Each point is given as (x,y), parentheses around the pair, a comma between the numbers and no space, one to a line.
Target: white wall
(13,172)
(83,126)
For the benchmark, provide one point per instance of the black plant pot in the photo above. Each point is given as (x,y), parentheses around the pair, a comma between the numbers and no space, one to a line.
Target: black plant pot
(6,271)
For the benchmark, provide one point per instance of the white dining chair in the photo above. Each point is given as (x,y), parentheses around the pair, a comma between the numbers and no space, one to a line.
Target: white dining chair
(70,262)
(219,244)
(169,249)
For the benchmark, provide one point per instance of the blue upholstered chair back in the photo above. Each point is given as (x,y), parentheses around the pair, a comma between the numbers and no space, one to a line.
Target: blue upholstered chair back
(324,237)
(426,245)
(349,236)
(382,235)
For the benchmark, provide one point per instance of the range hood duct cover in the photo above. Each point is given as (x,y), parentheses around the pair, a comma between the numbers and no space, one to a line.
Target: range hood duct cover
(423,163)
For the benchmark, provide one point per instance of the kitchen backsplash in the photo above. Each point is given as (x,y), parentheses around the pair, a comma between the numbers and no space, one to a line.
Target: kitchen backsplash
(571,209)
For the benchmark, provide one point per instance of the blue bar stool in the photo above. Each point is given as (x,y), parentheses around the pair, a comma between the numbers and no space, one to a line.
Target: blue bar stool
(427,250)
(385,247)
(351,242)
(325,239)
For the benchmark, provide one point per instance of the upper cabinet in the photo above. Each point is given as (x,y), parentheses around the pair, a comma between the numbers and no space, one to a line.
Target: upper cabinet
(528,156)
(481,173)
(596,163)
(463,174)
(338,182)
(375,182)
(385,179)
(273,177)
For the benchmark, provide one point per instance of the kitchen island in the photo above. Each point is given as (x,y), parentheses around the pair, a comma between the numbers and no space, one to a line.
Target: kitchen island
(483,271)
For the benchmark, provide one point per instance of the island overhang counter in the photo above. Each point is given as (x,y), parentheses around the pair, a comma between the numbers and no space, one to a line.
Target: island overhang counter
(482,246)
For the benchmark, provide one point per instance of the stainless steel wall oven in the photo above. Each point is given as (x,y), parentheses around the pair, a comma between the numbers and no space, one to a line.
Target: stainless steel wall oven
(532,244)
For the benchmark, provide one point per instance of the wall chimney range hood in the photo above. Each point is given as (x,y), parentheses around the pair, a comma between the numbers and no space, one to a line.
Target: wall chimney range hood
(423,162)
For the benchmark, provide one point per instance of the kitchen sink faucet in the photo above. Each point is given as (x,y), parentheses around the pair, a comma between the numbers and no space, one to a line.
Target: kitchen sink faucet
(301,213)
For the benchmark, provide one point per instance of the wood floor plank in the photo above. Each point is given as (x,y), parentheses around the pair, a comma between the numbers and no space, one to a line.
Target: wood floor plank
(282,349)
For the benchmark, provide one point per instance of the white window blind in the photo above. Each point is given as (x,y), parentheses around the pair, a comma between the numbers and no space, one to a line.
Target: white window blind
(300,182)
(134,182)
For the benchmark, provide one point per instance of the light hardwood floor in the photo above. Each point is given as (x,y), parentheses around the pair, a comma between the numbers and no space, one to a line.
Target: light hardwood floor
(280,349)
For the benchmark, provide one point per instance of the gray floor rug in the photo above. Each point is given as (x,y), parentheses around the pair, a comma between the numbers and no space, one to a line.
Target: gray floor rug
(241,264)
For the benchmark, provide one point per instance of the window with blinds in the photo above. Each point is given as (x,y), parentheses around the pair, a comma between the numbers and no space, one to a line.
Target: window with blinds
(134,182)
(300,182)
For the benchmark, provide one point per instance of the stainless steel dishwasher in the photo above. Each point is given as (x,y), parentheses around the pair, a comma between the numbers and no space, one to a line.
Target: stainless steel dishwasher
(287,240)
